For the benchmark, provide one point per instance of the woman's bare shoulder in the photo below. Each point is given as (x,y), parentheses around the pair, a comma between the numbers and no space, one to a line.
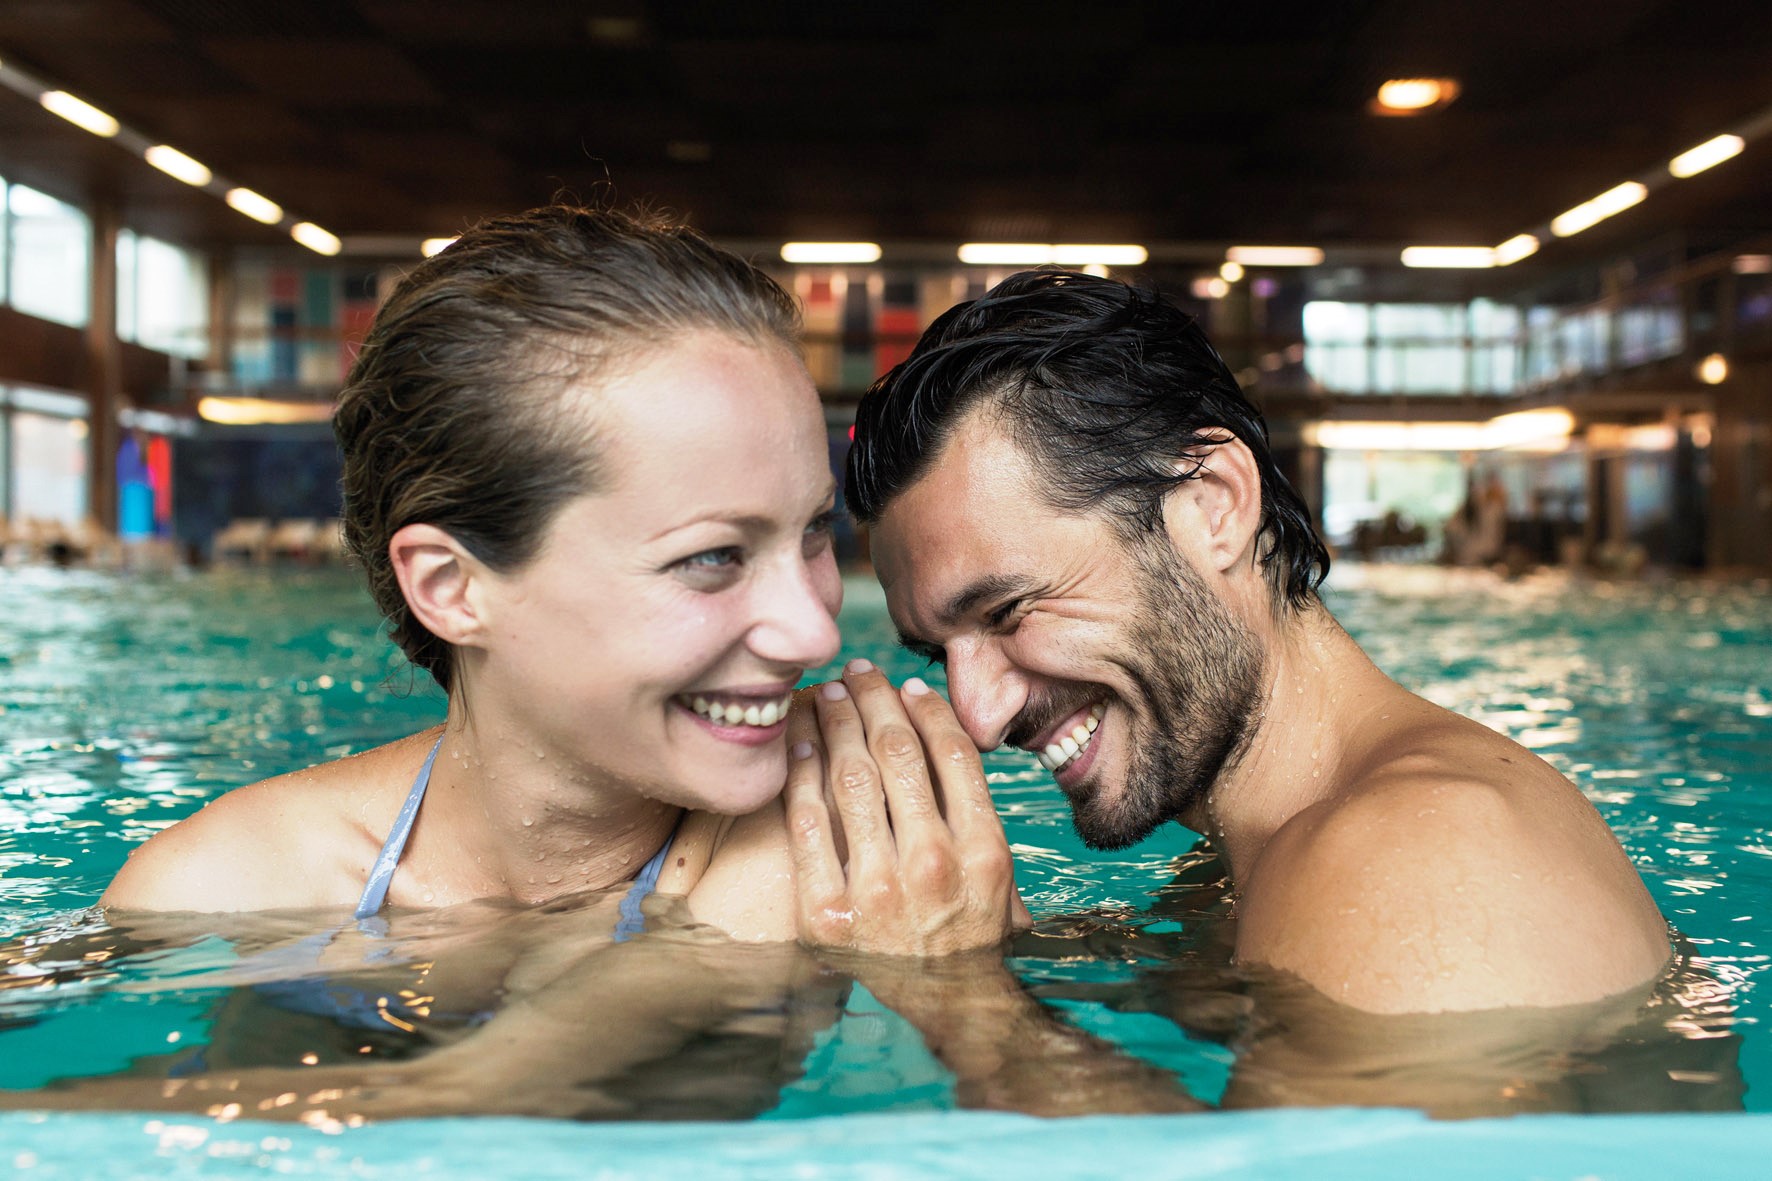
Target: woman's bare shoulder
(305,839)
(747,887)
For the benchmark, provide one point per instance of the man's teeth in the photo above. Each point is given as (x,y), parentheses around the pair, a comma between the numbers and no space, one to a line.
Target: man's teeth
(1073,744)
(740,713)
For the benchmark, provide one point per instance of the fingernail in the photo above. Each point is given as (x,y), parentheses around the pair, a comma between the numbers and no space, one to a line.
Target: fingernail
(833,691)
(858,665)
(802,750)
(915,687)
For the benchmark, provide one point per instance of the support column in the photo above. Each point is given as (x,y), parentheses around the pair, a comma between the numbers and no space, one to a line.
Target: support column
(104,368)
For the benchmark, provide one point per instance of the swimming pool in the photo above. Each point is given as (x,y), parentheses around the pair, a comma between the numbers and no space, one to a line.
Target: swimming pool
(125,704)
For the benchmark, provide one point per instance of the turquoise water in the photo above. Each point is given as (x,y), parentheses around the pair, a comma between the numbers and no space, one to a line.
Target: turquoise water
(126,704)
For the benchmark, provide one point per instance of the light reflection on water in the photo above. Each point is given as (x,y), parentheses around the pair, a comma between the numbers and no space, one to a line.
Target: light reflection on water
(125,705)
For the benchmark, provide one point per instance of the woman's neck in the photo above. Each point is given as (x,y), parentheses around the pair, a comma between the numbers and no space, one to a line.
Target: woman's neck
(508,817)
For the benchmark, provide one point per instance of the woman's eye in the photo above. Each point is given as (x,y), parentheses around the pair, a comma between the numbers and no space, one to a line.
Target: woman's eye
(710,567)
(820,531)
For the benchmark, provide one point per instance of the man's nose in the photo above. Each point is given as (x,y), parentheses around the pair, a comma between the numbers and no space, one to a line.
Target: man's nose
(986,689)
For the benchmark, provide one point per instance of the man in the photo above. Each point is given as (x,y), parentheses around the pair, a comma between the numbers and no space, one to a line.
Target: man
(1074,509)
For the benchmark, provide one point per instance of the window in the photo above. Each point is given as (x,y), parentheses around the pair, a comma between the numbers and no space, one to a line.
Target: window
(1420,348)
(50,266)
(1337,355)
(46,455)
(162,296)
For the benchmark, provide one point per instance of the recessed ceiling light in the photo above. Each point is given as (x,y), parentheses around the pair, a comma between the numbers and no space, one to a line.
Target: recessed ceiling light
(616,30)
(1714,369)
(432,246)
(315,238)
(1275,256)
(1514,249)
(1591,212)
(1064,254)
(177,165)
(79,112)
(1413,96)
(1448,256)
(1752,264)
(830,252)
(1708,154)
(258,208)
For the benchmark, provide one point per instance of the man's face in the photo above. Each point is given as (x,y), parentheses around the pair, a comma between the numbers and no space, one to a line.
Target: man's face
(1054,627)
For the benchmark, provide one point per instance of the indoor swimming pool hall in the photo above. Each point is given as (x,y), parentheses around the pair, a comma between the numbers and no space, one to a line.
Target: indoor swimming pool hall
(607,588)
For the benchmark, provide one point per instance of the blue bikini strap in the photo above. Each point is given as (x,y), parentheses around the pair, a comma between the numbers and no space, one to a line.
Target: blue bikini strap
(375,892)
(632,922)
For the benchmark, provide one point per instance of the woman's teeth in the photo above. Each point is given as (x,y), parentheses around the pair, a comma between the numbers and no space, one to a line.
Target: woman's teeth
(1073,744)
(734,712)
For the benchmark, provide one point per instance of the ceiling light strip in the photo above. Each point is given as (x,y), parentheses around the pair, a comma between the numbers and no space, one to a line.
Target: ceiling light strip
(1275,256)
(163,157)
(830,252)
(1449,256)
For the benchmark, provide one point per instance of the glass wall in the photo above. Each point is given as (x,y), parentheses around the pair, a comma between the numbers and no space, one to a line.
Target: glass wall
(1412,348)
(49,262)
(162,296)
(45,455)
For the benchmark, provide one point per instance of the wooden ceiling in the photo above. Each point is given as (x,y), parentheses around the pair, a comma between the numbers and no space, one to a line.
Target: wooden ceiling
(1166,120)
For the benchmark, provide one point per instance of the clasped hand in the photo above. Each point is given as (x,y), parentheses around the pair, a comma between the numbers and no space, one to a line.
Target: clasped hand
(927,870)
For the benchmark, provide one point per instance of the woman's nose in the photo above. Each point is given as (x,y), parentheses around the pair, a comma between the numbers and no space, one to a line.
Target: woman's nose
(797,622)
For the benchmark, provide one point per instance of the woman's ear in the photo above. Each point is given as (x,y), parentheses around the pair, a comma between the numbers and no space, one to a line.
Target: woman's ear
(440,581)
(1215,517)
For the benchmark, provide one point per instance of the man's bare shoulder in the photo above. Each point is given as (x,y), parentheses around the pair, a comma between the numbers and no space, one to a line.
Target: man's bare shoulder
(1458,872)
(295,840)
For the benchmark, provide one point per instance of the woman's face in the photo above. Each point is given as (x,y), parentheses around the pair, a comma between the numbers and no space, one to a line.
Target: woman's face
(654,640)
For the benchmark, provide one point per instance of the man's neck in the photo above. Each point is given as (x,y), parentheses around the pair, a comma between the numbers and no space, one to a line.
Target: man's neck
(1321,689)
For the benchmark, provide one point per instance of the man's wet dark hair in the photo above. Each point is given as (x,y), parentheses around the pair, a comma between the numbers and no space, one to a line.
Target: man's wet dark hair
(1106,385)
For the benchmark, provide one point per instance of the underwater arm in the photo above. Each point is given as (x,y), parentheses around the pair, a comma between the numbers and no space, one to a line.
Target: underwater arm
(1008,1051)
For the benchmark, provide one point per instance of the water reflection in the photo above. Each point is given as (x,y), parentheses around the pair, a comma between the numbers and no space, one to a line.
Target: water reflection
(126,705)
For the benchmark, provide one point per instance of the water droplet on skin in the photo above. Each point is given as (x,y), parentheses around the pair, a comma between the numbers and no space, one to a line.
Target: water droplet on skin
(528,821)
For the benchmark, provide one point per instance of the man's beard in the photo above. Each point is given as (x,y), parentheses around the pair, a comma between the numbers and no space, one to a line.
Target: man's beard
(1199,673)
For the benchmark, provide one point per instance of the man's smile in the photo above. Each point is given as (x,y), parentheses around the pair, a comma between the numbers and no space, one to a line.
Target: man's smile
(1067,741)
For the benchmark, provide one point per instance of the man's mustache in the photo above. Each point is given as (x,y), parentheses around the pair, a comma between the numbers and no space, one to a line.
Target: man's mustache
(1044,710)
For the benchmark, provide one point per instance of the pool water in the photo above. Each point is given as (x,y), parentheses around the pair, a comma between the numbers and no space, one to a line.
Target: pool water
(125,704)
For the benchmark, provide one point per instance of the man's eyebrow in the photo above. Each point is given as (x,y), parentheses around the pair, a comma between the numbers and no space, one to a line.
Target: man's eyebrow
(992,586)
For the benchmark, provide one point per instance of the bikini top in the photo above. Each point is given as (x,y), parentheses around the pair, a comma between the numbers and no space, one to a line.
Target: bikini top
(375,891)
(345,1002)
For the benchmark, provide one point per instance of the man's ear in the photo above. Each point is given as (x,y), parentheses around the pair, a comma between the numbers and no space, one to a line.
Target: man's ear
(440,580)
(1215,516)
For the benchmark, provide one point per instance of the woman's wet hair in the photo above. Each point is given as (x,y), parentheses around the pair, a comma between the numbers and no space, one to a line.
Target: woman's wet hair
(455,414)
(1107,386)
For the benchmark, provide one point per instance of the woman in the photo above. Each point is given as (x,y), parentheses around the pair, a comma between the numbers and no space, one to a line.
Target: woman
(585,471)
